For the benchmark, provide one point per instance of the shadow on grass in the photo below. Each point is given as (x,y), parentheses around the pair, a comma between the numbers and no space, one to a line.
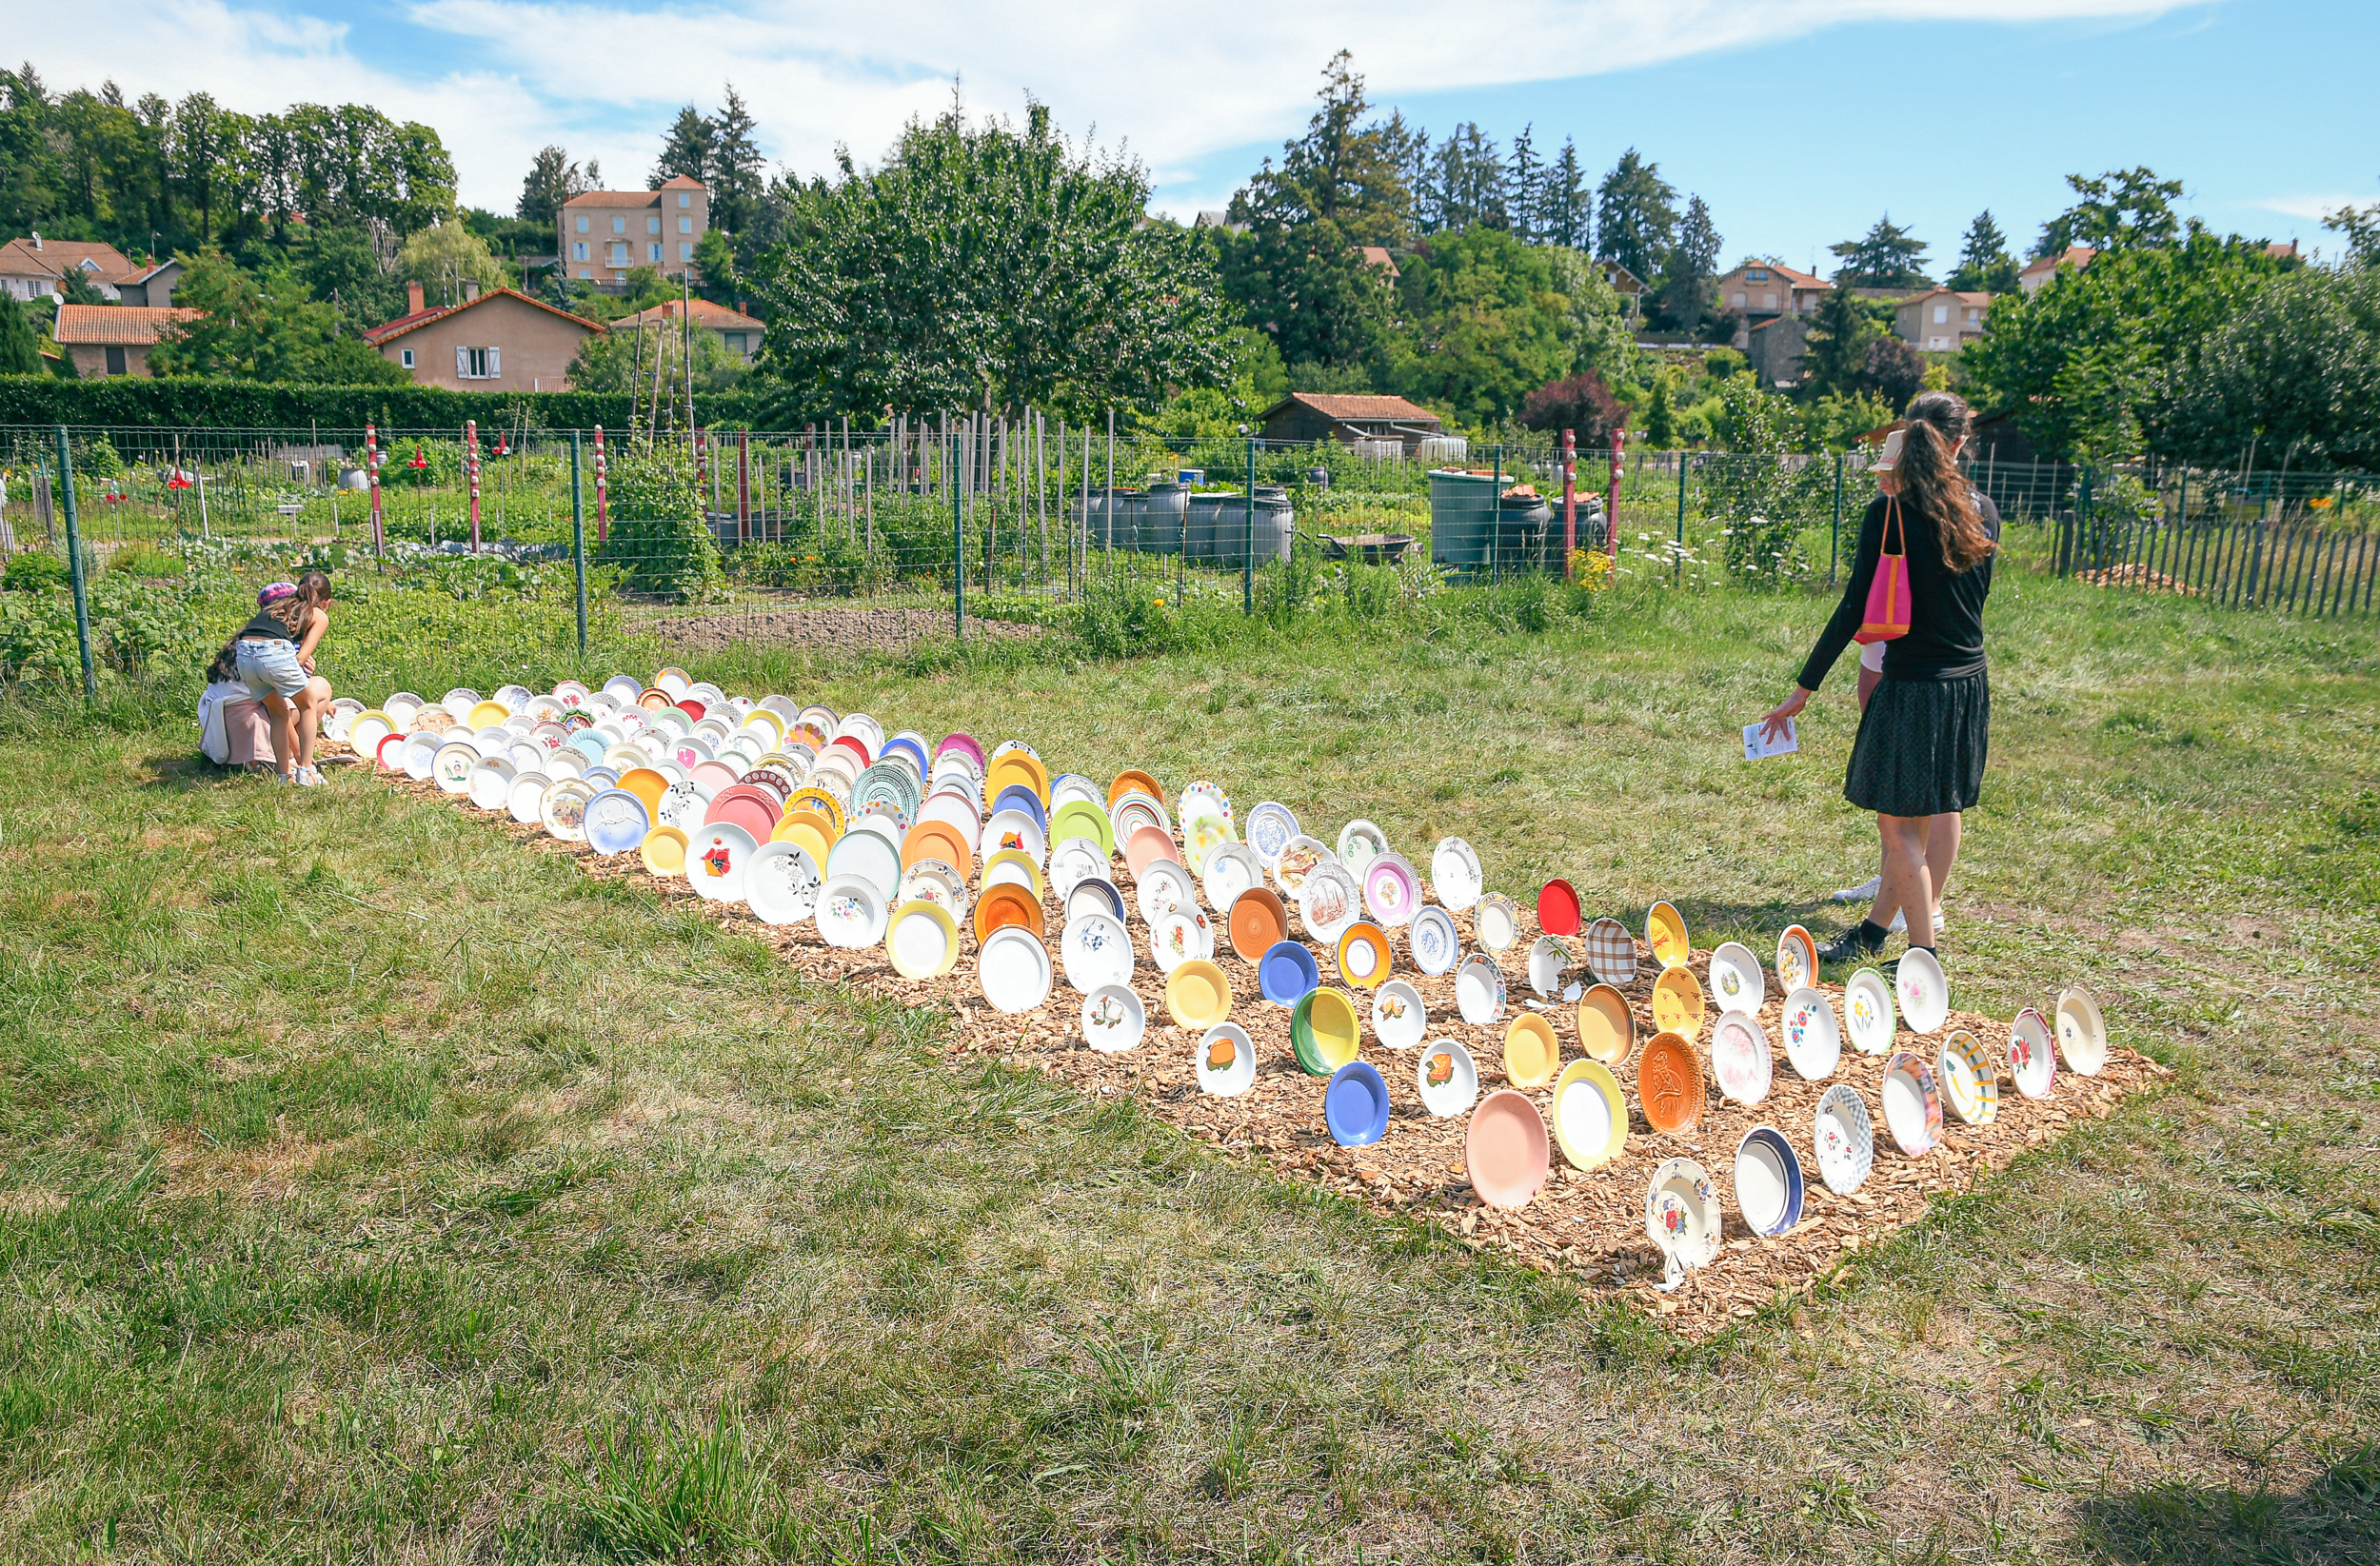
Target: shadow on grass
(2335,1517)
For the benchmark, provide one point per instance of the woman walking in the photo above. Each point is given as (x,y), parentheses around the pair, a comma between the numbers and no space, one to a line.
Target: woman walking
(1920,758)
(274,654)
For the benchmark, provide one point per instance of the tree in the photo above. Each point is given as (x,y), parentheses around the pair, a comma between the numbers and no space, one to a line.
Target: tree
(1524,188)
(610,360)
(2122,209)
(1636,223)
(20,340)
(2360,227)
(1343,170)
(1887,257)
(1689,284)
(1464,185)
(1564,208)
(1892,370)
(1660,420)
(552,180)
(1486,324)
(685,151)
(734,163)
(1580,403)
(1984,263)
(988,267)
(1318,297)
(2294,367)
(262,328)
(1836,345)
(444,257)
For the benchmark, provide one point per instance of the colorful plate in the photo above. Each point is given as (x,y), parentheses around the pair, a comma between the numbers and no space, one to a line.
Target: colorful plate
(1392,892)
(1737,983)
(1197,995)
(663,852)
(1844,1140)
(1300,859)
(1448,1081)
(1665,932)
(1611,953)
(1682,1216)
(1668,1083)
(1590,1115)
(1114,1021)
(1259,922)
(1013,867)
(1363,955)
(1814,1041)
(563,810)
(1532,1055)
(1400,1017)
(2032,1057)
(1323,1031)
(1868,1012)
(1558,907)
(1607,1026)
(1355,1105)
(1227,1060)
(1146,846)
(922,939)
(1181,936)
(1968,1081)
(1677,1003)
(1497,921)
(717,857)
(1506,1150)
(616,820)
(1287,973)
(1768,1181)
(1797,959)
(1434,941)
(1004,908)
(1912,1106)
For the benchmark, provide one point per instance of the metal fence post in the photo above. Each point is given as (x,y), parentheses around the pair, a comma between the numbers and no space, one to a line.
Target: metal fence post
(958,547)
(578,538)
(1835,536)
(1247,557)
(1678,560)
(75,566)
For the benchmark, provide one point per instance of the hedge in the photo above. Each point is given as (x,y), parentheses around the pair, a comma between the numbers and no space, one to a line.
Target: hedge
(200,403)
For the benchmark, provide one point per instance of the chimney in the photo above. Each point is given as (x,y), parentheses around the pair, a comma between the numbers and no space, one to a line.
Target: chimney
(470,290)
(37,239)
(412,298)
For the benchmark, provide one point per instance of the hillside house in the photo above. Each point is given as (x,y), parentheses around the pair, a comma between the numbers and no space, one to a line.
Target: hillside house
(498,340)
(1940,320)
(605,234)
(1304,417)
(104,339)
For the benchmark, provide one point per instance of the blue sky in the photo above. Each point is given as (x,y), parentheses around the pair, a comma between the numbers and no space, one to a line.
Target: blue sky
(1800,121)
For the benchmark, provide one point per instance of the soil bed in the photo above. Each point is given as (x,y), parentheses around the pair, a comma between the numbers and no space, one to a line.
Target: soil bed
(881,630)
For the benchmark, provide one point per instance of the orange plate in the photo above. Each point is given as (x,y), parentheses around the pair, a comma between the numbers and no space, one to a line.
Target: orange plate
(1668,1083)
(1257,921)
(1004,905)
(1607,1029)
(938,840)
(1127,781)
(1363,931)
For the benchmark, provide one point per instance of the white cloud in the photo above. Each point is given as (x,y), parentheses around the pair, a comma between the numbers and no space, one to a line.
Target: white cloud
(1174,79)
(2312,208)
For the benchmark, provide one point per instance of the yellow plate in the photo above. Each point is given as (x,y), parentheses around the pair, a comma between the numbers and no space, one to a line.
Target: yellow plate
(1022,860)
(663,852)
(1677,1003)
(1590,1077)
(489,715)
(1665,932)
(828,830)
(1330,1018)
(1351,956)
(645,784)
(1016,766)
(920,908)
(1607,1028)
(1532,1054)
(1196,994)
(801,829)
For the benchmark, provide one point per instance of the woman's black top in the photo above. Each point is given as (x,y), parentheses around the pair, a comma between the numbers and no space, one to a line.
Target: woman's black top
(272,623)
(1945,640)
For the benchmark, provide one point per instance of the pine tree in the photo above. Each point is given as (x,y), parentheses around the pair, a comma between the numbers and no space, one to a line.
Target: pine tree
(1837,342)
(735,165)
(1888,256)
(1984,263)
(686,150)
(1563,206)
(1523,186)
(1637,221)
(1693,267)
(1466,181)
(1661,423)
(552,180)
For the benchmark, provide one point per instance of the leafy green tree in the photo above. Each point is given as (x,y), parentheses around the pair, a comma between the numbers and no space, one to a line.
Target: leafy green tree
(2360,227)
(1888,256)
(1891,371)
(1488,321)
(1660,419)
(2122,209)
(20,340)
(1320,299)
(446,256)
(263,328)
(988,267)
(552,181)
(615,360)
(342,267)
(1984,263)
(2294,367)
(1689,277)
(1345,169)
(1524,185)
(1636,218)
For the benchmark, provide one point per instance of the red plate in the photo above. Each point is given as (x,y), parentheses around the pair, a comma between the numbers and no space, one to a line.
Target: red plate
(692,708)
(1558,909)
(858,749)
(747,809)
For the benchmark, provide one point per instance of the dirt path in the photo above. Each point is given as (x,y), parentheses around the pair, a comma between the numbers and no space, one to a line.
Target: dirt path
(888,630)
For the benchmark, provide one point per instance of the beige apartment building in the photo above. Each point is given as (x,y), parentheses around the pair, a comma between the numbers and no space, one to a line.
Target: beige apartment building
(1763,288)
(1940,321)
(605,234)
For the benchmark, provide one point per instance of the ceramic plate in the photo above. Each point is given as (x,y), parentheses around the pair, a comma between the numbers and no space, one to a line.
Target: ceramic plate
(490,784)
(1355,1105)
(1677,1003)
(1737,983)
(1270,830)
(922,939)
(1112,1019)
(1202,836)
(526,799)
(1432,942)
(1287,974)
(1558,907)
(1669,1082)
(1797,959)
(450,766)
(1181,936)
(563,810)
(1363,955)
(1013,867)
(1257,922)
(2032,1059)
(1164,887)
(1324,1031)
(1968,1081)
(1004,906)
(1299,859)
(1497,923)
(1739,1057)
(1197,995)
(1506,1150)
(1912,1106)
(1607,1026)
(1074,861)
(616,821)
(1547,958)
(1868,1012)
(1448,1081)
(1390,891)
(782,884)
(1096,894)
(1013,829)
(1455,874)
(939,882)
(1227,1060)
(1148,845)
(2082,1033)
(1074,785)
(1399,1018)
(1097,952)
(1014,971)
(1681,1213)
(1768,1181)
(851,911)
(1814,1041)
(864,854)
(1665,932)
(1479,990)
(1920,992)
(1844,1140)
(1611,953)
(717,856)
(1359,843)
(1590,1115)
(683,806)
(1231,869)
(1532,1054)
(1328,902)
(367,730)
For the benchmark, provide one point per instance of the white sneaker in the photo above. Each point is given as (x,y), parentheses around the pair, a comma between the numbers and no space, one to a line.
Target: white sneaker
(1865,892)
(307,778)
(1900,922)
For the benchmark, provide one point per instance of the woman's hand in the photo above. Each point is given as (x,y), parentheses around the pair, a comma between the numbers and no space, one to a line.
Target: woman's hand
(1772,726)
(305,662)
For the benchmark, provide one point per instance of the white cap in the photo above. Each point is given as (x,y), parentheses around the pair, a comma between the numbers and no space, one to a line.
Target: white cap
(1890,458)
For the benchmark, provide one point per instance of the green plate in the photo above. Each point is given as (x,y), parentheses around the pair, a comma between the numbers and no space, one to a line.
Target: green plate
(1081,819)
(1301,1037)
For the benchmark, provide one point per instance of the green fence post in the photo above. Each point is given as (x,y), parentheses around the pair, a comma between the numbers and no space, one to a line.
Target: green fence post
(578,538)
(75,566)
(1677,561)
(1496,520)
(959,547)
(1247,551)
(1835,538)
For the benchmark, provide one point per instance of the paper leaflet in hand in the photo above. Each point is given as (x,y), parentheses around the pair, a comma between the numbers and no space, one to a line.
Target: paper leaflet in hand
(1755,747)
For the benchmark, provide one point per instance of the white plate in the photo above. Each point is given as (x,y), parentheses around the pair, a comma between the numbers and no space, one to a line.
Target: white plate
(867,855)
(1479,990)
(938,882)
(2082,1032)
(1814,1041)
(1915,1121)
(1095,895)
(1177,937)
(1497,923)
(1739,1057)
(1359,842)
(1114,1020)
(1096,951)
(490,784)
(1455,874)
(1735,980)
(782,884)
(716,859)
(1013,828)
(1164,887)
(682,806)
(850,911)
(1868,1012)
(1844,1140)
(526,796)
(1764,1188)
(420,754)
(1329,902)
(1231,869)
(1072,863)
(1234,1076)
(1013,971)
(1434,941)
(1400,1017)
(1456,1095)
(1920,991)
(1269,829)
(1299,859)
(1547,958)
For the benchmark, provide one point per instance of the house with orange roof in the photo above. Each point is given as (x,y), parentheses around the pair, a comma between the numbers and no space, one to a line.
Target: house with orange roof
(740,333)
(1759,290)
(2038,272)
(104,340)
(498,340)
(1304,417)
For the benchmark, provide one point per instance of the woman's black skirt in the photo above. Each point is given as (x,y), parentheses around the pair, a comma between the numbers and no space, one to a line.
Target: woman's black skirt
(1921,748)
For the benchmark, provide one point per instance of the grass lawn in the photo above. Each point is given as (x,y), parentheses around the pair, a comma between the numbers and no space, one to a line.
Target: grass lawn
(374,1189)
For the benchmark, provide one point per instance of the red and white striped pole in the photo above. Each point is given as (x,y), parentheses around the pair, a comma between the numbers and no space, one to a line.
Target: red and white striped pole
(372,470)
(603,493)
(1570,497)
(471,469)
(1611,504)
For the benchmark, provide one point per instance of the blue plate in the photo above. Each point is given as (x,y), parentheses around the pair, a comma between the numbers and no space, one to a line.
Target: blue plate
(913,745)
(589,744)
(1287,971)
(616,821)
(1017,797)
(1355,1105)
(601,777)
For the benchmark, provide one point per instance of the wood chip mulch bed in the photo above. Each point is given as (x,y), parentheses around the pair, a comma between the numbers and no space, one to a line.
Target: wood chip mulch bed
(1588,1224)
